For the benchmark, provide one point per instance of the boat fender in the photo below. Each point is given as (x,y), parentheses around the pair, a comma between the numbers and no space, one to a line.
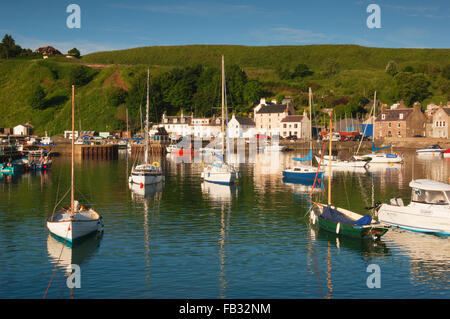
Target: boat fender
(313,218)
(141,185)
(338,228)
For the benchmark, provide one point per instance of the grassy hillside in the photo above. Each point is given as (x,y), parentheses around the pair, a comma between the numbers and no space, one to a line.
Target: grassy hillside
(361,71)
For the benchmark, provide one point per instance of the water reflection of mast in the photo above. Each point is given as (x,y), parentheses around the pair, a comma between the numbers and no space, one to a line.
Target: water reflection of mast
(222,238)
(329,268)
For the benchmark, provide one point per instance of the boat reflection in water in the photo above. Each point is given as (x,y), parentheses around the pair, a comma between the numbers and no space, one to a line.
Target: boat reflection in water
(218,192)
(146,191)
(303,187)
(429,256)
(65,255)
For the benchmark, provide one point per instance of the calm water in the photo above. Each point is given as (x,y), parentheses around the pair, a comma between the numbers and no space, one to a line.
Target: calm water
(186,239)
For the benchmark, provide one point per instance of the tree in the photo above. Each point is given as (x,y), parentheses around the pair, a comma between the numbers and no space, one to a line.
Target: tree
(80,75)
(331,67)
(253,92)
(446,71)
(74,52)
(392,68)
(412,87)
(37,97)
(301,71)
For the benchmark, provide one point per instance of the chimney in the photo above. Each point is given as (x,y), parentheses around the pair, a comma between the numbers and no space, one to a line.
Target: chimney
(417,106)
(274,101)
(262,101)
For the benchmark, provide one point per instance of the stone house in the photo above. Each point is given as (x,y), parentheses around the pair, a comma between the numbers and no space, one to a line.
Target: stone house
(440,127)
(241,127)
(401,122)
(268,117)
(296,125)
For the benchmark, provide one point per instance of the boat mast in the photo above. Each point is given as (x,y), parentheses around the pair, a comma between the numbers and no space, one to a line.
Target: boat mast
(146,119)
(329,163)
(223,107)
(310,122)
(373,117)
(72,188)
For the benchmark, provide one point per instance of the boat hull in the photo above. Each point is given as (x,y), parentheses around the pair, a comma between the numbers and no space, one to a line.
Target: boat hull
(146,179)
(222,178)
(417,217)
(71,230)
(308,176)
(372,231)
(381,158)
(342,164)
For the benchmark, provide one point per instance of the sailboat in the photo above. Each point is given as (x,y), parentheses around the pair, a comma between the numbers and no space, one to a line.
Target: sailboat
(146,173)
(342,221)
(219,171)
(302,171)
(74,221)
(377,157)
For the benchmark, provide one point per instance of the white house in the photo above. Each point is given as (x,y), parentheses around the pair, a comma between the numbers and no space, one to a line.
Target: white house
(68,134)
(241,127)
(22,130)
(206,127)
(176,126)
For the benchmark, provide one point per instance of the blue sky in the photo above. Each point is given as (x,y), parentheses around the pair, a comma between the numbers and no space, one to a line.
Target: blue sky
(119,24)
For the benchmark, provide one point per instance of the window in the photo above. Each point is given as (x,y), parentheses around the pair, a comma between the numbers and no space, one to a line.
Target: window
(429,197)
(295,125)
(284,125)
(399,125)
(389,124)
(399,134)
(400,116)
(383,116)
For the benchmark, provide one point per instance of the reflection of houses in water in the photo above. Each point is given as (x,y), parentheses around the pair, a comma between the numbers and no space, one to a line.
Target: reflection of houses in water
(389,173)
(429,256)
(437,168)
(139,193)
(267,168)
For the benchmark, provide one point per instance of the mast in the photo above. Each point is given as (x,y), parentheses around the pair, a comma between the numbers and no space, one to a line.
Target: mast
(310,122)
(72,187)
(329,164)
(146,119)
(373,117)
(223,107)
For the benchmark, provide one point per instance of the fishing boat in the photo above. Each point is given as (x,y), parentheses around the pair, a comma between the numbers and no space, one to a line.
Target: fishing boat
(342,221)
(219,171)
(74,221)
(376,157)
(303,171)
(146,173)
(433,150)
(428,211)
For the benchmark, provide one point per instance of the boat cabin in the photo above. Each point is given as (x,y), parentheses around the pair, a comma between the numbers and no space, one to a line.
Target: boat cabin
(430,192)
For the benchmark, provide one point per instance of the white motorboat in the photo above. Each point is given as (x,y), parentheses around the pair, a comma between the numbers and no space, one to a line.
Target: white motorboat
(74,221)
(380,158)
(428,211)
(274,147)
(146,173)
(433,150)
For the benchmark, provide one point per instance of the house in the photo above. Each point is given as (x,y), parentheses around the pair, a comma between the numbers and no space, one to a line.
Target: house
(68,134)
(401,122)
(440,127)
(176,125)
(206,127)
(268,117)
(22,130)
(241,127)
(296,125)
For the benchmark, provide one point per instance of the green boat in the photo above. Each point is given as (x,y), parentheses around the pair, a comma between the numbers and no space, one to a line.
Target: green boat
(346,223)
(341,221)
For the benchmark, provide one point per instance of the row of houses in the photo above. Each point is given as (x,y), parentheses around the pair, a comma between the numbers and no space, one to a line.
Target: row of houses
(271,118)
(19,130)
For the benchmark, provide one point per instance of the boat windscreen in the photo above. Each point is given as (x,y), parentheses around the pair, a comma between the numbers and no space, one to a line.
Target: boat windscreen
(430,197)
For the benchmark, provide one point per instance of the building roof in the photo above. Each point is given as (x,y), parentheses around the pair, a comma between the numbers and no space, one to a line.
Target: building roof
(272,108)
(394,115)
(245,121)
(447,110)
(293,118)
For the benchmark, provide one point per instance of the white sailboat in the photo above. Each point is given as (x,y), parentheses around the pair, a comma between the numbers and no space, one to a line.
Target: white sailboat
(75,221)
(377,157)
(219,171)
(146,173)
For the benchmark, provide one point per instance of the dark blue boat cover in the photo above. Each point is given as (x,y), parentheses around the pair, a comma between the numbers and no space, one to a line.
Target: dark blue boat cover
(333,215)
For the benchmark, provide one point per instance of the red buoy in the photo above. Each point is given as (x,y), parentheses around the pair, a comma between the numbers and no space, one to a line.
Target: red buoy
(141,185)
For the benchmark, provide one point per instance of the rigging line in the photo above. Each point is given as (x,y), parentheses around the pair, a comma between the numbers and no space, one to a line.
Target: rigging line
(65,195)
(84,197)
(57,189)
(56,265)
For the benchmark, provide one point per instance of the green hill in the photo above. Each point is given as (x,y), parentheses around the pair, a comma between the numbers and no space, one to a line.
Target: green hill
(109,82)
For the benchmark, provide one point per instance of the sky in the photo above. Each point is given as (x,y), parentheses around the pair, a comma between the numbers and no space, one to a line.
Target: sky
(118,24)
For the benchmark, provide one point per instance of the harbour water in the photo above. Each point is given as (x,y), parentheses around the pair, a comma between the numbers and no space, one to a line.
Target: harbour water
(188,239)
